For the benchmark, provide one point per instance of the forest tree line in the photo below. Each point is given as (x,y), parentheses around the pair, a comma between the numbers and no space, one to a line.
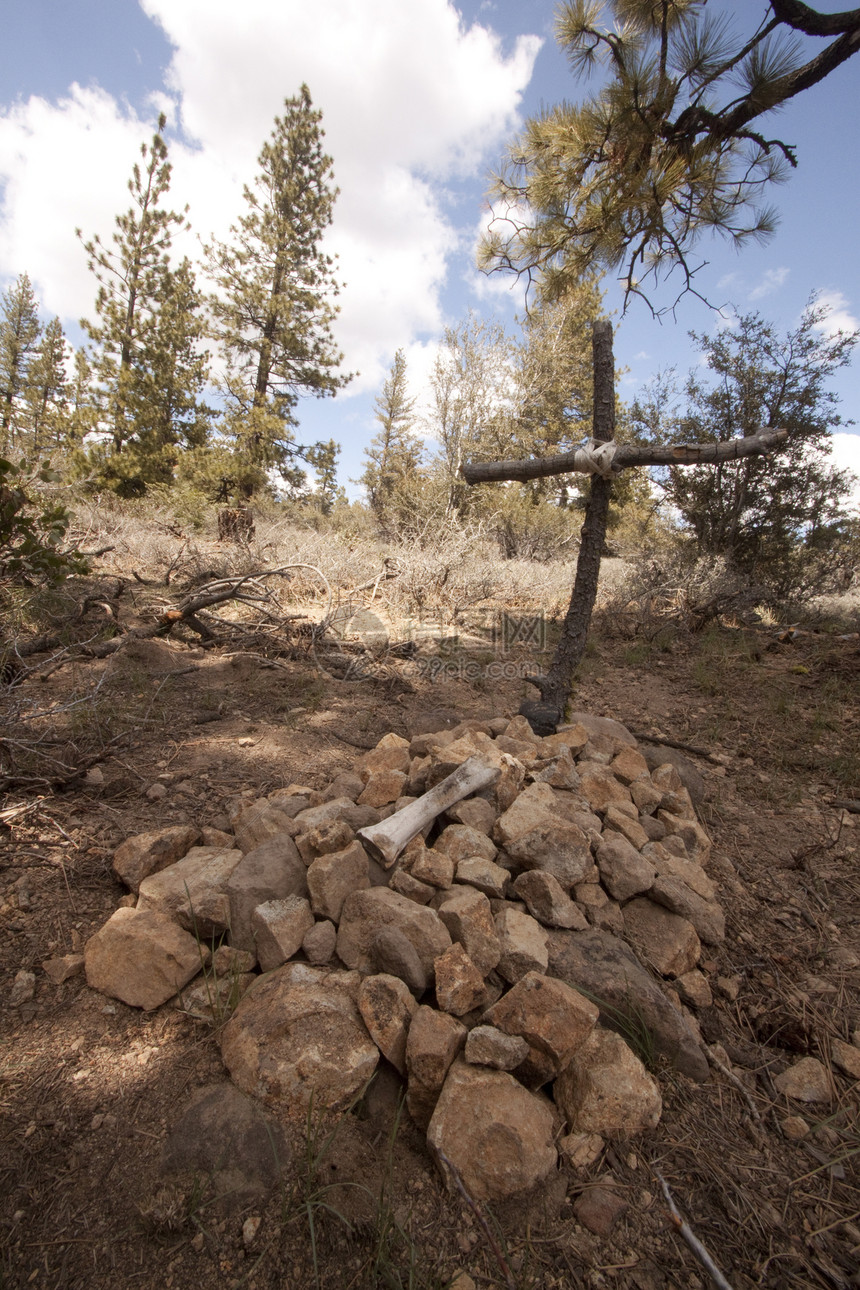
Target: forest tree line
(141,407)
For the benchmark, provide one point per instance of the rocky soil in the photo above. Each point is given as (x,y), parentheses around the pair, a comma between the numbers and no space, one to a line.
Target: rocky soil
(130,1158)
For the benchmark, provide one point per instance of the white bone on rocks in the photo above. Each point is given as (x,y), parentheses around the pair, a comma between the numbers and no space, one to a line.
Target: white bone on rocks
(386,840)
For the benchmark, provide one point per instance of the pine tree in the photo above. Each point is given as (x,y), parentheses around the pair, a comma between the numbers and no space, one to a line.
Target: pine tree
(394,454)
(19,336)
(46,396)
(134,284)
(275,300)
(665,151)
(765,516)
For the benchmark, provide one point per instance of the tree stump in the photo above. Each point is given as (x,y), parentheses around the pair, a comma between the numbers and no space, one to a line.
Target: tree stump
(235,524)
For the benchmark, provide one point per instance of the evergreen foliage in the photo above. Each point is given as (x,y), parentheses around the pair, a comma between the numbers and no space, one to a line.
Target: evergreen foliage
(773,517)
(19,336)
(390,477)
(274,303)
(664,151)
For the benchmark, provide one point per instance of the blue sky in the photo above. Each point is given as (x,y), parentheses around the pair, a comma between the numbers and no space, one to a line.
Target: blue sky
(419,99)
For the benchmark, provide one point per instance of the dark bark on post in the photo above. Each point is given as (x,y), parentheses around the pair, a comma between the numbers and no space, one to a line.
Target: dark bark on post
(556,686)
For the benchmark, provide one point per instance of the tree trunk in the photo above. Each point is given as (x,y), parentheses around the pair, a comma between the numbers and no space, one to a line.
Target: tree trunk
(557,685)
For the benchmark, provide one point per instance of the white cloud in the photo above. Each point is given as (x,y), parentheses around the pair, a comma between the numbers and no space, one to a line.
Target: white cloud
(771,281)
(846,455)
(838,316)
(411,99)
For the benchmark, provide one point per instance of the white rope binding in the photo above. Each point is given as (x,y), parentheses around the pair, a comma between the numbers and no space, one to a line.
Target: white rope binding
(596,458)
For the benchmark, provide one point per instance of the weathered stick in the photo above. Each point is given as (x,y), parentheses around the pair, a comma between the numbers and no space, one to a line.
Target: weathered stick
(692,1240)
(626,454)
(386,840)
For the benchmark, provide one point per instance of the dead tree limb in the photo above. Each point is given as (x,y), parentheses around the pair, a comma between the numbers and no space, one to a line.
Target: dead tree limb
(602,459)
(626,454)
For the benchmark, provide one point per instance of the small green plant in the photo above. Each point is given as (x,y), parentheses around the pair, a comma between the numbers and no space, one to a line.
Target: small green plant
(32,531)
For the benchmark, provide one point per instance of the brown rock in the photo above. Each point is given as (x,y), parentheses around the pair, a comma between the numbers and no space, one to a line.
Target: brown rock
(142,957)
(609,971)
(387,1007)
(434,1040)
(319,941)
(573,738)
(395,955)
(547,901)
(147,853)
(555,846)
(629,766)
(621,822)
(706,915)
(366,912)
(383,787)
(331,878)
(600,788)
(599,1209)
(522,941)
(607,727)
(411,887)
(646,797)
(488,877)
(605,1089)
(193,891)
(682,868)
(339,808)
(551,1016)
(259,822)
(693,988)
(665,940)
(60,969)
(432,867)
(469,920)
(459,984)
(391,753)
(846,1057)
(297,1039)
(488,1046)
(805,1081)
(475,812)
(497,1135)
(581,1149)
(623,870)
(335,835)
(279,927)
(272,871)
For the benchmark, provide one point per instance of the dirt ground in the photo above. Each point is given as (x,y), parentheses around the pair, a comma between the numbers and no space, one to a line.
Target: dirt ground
(90,1088)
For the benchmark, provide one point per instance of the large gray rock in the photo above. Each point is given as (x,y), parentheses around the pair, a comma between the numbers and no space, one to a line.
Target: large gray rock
(496,1134)
(272,871)
(297,1039)
(193,892)
(140,856)
(142,957)
(608,970)
(608,727)
(365,913)
(228,1138)
(606,1089)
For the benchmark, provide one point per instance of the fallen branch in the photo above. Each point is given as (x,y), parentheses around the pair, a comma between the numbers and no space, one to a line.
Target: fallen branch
(626,454)
(690,1237)
(674,743)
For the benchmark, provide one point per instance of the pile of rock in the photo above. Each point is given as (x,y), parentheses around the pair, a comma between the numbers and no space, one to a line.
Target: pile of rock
(496,958)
